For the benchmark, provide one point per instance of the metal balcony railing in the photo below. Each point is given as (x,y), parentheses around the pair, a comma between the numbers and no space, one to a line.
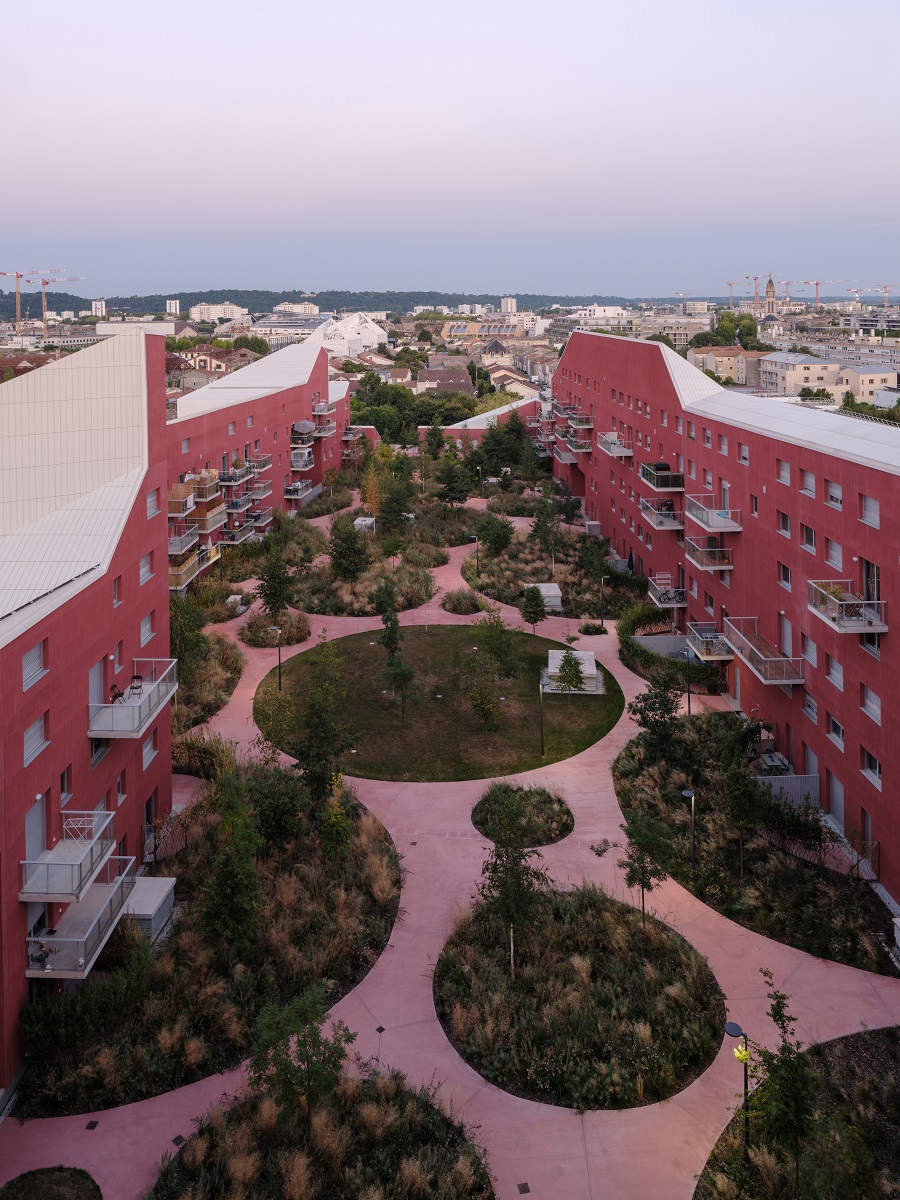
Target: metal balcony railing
(326,429)
(235,534)
(580,420)
(64,873)
(294,491)
(180,506)
(576,443)
(301,440)
(206,488)
(236,475)
(845,610)
(351,434)
(665,595)
(133,713)
(705,511)
(260,462)
(612,444)
(323,407)
(212,520)
(662,480)
(707,643)
(662,514)
(708,557)
(238,504)
(563,454)
(302,460)
(763,659)
(182,537)
(84,928)
(260,490)
(260,517)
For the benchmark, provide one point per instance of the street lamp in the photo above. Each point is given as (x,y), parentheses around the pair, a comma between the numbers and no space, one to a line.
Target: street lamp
(479,481)
(734,1030)
(687,660)
(603,579)
(541,709)
(277,629)
(689,795)
(473,537)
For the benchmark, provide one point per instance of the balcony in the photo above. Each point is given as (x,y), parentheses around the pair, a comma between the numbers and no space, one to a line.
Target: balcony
(84,928)
(662,514)
(260,490)
(351,434)
(63,874)
(133,714)
(236,475)
(576,443)
(260,462)
(612,444)
(707,556)
(260,517)
(707,643)
(534,422)
(845,610)
(181,500)
(563,455)
(236,534)
(302,440)
(302,460)
(295,491)
(664,594)
(181,576)
(326,429)
(705,511)
(766,663)
(182,537)
(580,420)
(212,520)
(563,411)
(661,479)
(541,449)
(206,486)
(324,407)
(239,504)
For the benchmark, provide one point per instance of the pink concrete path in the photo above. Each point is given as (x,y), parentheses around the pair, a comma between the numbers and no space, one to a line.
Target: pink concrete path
(651,1153)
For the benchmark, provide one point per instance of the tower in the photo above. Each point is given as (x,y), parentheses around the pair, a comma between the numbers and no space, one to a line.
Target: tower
(770,298)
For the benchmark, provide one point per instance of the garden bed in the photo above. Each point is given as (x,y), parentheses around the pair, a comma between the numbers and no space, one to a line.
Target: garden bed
(52,1183)
(210,685)
(442,739)
(320,592)
(604,1011)
(522,816)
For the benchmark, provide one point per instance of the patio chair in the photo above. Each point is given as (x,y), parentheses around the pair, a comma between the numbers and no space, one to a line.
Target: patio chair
(136,688)
(116,694)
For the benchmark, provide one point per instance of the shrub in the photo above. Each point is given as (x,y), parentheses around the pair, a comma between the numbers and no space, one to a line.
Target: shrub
(256,630)
(210,685)
(321,593)
(463,602)
(420,554)
(325,505)
(211,596)
(647,618)
(522,816)
(202,752)
(591,628)
(52,1183)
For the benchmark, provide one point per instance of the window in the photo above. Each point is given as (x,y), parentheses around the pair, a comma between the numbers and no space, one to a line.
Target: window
(117,591)
(723,444)
(808,538)
(835,731)
(808,649)
(146,568)
(834,495)
(249,422)
(99,750)
(118,656)
(690,431)
(693,586)
(869,511)
(870,767)
(871,643)
(783,470)
(692,470)
(870,703)
(121,789)
(834,671)
(707,438)
(784,576)
(834,554)
(149,749)
(743,454)
(153,503)
(35,739)
(231,428)
(679,425)
(707,480)
(784,524)
(810,707)
(754,506)
(65,786)
(665,417)
(708,603)
(807,483)
(148,628)
(34,665)
(185,445)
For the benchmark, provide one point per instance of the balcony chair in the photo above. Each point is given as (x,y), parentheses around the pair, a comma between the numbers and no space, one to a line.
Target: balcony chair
(116,694)
(136,688)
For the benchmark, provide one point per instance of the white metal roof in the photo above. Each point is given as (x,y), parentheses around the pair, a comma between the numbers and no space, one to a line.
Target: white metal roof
(282,369)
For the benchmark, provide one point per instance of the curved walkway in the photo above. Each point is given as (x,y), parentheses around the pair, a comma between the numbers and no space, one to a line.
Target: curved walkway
(652,1152)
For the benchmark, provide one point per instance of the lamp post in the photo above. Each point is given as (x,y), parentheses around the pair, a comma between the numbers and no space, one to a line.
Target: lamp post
(687,662)
(474,537)
(689,795)
(479,481)
(603,579)
(276,629)
(541,710)
(734,1030)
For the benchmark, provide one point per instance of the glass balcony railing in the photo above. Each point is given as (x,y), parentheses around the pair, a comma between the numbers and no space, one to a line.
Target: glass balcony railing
(233,535)
(260,517)
(154,683)
(260,490)
(64,873)
(705,511)
(324,407)
(664,594)
(707,555)
(612,444)
(580,420)
(707,643)
(181,576)
(182,537)
(351,434)
(302,460)
(212,520)
(662,514)
(260,462)
(563,454)
(294,491)
(763,659)
(302,440)
(206,487)
(661,479)
(326,429)
(236,475)
(845,610)
(577,443)
(238,504)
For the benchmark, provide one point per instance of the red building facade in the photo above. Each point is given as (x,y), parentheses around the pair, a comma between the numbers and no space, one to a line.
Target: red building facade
(770,534)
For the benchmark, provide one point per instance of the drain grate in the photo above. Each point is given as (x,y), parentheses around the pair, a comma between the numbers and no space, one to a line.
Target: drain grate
(178,1141)
(524,1189)
(92,1124)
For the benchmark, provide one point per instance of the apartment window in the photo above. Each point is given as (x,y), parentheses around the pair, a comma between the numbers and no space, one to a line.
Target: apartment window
(871,767)
(665,417)
(810,707)
(808,649)
(784,576)
(784,524)
(65,786)
(707,480)
(117,591)
(35,739)
(834,494)
(869,511)
(783,470)
(707,438)
(148,628)
(834,672)
(118,656)
(692,470)
(690,431)
(693,586)
(807,483)
(808,538)
(121,789)
(708,603)
(250,422)
(99,750)
(743,454)
(185,445)
(835,731)
(870,703)
(149,749)
(754,506)
(147,568)
(231,428)
(153,503)
(679,425)
(871,643)
(34,665)
(723,444)
(834,554)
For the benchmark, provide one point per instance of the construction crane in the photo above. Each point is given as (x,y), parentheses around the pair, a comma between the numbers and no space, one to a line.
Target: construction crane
(817,283)
(755,279)
(786,284)
(44,282)
(732,284)
(884,288)
(20,275)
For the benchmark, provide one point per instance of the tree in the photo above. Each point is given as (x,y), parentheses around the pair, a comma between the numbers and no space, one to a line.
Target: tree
(662,337)
(495,533)
(232,898)
(545,529)
(8,374)
(384,598)
(454,485)
(276,586)
(570,677)
(399,675)
(530,464)
(482,689)
(514,887)
(277,802)
(495,639)
(371,491)
(324,738)
(291,1058)
(332,479)
(396,502)
(533,609)
(434,440)
(186,638)
(656,711)
(645,839)
(347,547)
(392,636)
(257,344)
(392,546)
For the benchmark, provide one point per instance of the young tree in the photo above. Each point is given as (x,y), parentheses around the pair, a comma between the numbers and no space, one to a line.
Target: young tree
(371,491)
(656,711)
(232,898)
(332,479)
(514,885)
(495,533)
(396,502)
(324,738)
(482,689)
(533,609)
(645,839)
(571,676)
(434,441)
(384,598)
(530,464)
(399,676)
(545,529)
(188,642)
(392,636)
(495,639)
(276,586)
(454,485)
(347,547)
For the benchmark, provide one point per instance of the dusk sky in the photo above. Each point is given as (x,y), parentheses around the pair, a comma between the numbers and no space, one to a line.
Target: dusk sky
(480,145)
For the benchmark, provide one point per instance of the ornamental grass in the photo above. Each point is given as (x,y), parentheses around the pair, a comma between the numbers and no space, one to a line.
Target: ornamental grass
(522,816)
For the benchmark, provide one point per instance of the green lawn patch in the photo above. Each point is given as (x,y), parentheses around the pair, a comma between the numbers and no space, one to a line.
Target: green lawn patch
(442,738)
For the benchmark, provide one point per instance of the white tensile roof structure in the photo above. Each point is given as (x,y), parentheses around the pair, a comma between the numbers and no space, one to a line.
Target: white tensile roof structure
(281,369)
(348,335)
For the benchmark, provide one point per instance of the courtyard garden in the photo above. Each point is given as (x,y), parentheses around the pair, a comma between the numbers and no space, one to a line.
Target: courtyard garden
(522,816)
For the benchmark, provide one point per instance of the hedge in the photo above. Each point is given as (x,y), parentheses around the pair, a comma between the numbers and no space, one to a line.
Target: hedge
(646,618)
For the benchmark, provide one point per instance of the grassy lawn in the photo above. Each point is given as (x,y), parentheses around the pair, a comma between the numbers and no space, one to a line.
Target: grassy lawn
(442,738)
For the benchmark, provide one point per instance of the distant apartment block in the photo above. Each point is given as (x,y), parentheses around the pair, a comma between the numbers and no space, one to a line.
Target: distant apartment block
(173,308)
(98,308)
(304,309)
(216,312)
(508,304)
